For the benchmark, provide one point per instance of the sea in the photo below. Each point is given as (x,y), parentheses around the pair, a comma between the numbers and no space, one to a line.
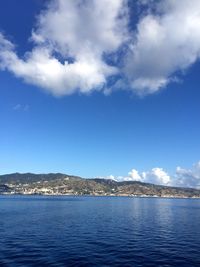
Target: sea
(99,231)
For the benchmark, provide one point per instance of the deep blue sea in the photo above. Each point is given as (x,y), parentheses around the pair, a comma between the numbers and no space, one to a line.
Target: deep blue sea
(99,231)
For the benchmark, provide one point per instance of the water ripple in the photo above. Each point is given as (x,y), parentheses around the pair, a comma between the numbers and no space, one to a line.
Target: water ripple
(89,231)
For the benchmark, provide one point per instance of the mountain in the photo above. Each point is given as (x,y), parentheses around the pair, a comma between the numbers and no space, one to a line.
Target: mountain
(62,184)
(4,189)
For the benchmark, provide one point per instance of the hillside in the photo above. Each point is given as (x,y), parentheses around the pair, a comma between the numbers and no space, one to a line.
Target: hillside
(62,184)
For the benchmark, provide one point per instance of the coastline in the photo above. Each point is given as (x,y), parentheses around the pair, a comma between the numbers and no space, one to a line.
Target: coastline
(95,195)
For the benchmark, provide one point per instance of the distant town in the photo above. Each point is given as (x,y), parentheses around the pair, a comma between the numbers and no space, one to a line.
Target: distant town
(62,184)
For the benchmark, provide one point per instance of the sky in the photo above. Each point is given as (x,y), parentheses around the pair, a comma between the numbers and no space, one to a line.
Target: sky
(104,88)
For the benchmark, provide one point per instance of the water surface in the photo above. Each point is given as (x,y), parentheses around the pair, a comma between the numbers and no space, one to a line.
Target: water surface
(99,231)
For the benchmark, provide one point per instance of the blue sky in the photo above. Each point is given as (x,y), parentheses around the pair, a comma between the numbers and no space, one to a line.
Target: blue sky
(119,104)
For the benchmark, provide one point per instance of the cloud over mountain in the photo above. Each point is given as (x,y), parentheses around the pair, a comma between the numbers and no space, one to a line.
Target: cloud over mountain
(181,178)
(188,177)
(155,176)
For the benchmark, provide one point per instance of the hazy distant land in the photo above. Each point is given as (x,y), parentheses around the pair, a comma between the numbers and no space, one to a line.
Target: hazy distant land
(62,184)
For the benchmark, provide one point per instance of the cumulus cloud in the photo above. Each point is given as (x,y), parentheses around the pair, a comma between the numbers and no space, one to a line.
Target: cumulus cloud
(157,176)
(134,175)
(154,176)
(80,32)
(182,177)
(188,177)
(78,45)
(167,41)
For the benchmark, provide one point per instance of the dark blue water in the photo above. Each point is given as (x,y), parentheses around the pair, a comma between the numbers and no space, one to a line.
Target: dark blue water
(99,231)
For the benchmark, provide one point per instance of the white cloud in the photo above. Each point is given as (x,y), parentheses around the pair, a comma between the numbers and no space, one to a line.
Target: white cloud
(73,39)
(155,176)
(81,32)
(42,69)
(182,178)
(78,27)
(134,175)
(188,177)
(165,43)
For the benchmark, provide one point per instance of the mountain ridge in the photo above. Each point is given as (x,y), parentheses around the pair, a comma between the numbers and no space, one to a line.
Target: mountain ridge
(63,184)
